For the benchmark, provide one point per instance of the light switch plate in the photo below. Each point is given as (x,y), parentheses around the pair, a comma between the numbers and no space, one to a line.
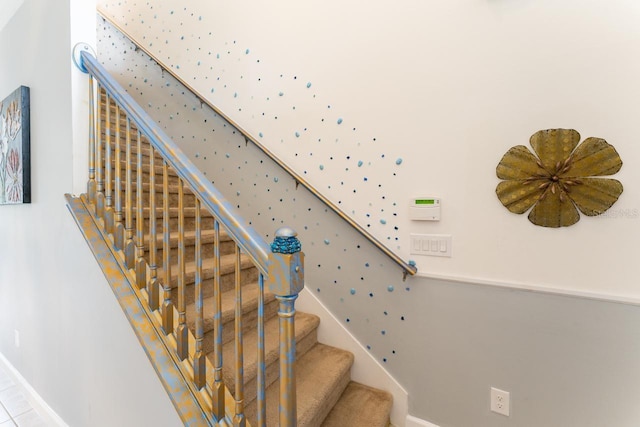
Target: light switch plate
(431,244)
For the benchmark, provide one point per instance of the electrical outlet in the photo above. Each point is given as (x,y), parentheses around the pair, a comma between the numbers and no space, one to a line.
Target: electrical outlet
(500,401)
(16,338)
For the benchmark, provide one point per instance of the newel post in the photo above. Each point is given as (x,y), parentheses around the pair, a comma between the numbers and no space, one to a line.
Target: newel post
(285,281)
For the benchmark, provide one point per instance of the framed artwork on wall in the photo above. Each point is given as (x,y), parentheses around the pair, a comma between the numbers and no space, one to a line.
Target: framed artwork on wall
(15,157)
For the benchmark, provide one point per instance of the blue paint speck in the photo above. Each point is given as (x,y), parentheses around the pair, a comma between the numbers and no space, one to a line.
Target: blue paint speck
(308,85)
(326,241)
(340,121)
(260,135)
(321,167)
(275,179)
(399,161)
(383,221)
(246,52)
(281,94)
(390,288)
(353,291)
(383,332)
(297,134)
(359,163)
(227,155)
(412,263)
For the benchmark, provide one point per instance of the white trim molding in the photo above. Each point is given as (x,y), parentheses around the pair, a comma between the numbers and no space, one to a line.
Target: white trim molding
(417,422)
(545,289)
(39,405)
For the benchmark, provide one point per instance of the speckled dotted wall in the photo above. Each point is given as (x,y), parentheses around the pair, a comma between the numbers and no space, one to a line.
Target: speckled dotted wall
(361,286)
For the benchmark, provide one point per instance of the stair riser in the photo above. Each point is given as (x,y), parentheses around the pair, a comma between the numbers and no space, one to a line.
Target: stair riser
(227,282)
(189,253)
(145,147)
(249,321)
(330,401)
(189,223)
(188,198)
(272,371)
(173,176)
(226,247)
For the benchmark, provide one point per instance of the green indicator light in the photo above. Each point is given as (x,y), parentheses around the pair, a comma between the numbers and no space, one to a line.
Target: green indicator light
(425,202)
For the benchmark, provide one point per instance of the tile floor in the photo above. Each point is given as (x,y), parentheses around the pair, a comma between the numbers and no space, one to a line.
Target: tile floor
(15,408)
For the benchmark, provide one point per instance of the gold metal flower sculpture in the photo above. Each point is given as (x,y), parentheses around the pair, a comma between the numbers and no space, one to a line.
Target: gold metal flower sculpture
(562,178)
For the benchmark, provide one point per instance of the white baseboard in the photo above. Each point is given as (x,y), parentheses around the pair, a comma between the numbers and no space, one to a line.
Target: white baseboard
(417,422)
(41,407)
(366,369)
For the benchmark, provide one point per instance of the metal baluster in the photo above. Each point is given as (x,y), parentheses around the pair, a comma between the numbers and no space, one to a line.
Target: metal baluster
(91,185)
(141,265)
(118,232)
(167,304)
(199,370)
(99,165)
(152,284)
(218,381)
(286,313)
(182,331)
(261,374)
(239,419)
(129,246)
(286,280)
(108,206)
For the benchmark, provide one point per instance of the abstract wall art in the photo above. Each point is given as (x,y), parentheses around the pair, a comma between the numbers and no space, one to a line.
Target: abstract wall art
(15,180)
(560,179)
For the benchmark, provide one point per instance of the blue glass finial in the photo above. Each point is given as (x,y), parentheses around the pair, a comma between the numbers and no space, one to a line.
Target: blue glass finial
(286,241)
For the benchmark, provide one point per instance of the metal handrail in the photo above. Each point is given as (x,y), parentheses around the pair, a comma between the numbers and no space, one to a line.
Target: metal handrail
(407,268)
(252,243)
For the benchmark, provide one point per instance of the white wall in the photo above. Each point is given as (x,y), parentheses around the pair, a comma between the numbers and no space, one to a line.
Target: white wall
(76,348)
(448,87)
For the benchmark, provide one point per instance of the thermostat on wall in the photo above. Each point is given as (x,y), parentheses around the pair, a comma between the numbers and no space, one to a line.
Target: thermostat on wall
(424,209)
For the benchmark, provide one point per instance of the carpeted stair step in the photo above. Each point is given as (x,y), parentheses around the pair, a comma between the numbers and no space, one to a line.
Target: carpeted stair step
(306,328)
(134,168)
(360,406)
(322,375)
(227,245)
(249,274)
(249,311)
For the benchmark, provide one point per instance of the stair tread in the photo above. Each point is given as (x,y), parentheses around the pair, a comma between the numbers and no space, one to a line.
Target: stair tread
(249,303)
(207,236)
(227,266)
(318,376)
(360,406)
(304,324)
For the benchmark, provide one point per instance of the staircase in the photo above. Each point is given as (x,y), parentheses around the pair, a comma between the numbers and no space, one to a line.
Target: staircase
(196,280)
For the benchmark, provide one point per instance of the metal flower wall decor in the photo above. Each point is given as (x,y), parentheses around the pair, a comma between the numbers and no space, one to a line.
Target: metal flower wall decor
(560,179)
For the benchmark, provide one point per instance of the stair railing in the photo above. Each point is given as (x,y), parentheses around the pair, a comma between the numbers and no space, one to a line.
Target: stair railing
(408,268)
(119,126)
